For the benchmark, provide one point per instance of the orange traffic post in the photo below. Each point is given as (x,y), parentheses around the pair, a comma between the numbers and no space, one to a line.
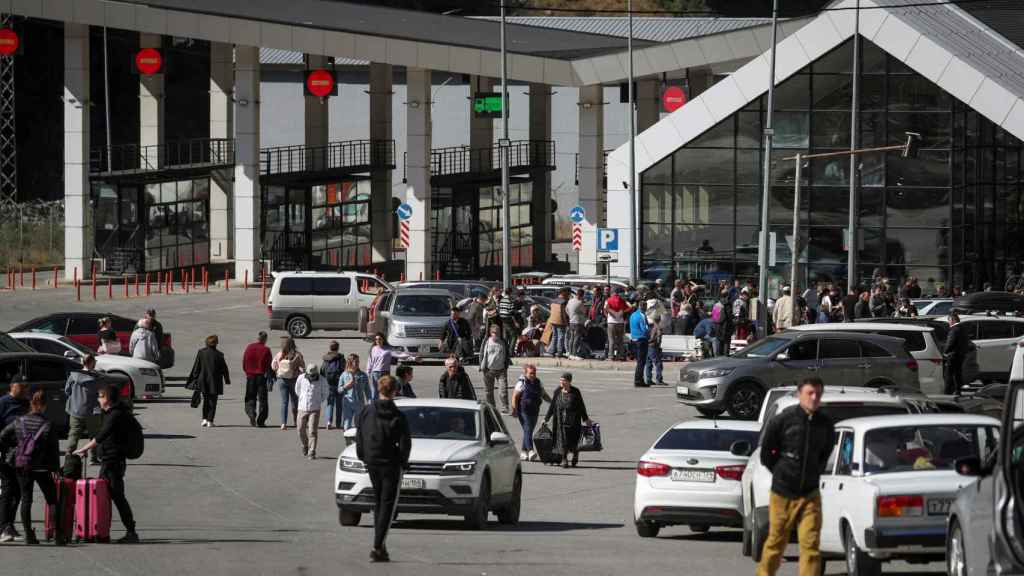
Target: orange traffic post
(147,283)
(167,284)
(124,280)
(245,281)
(78,289)
(33,277)
(110,289)
(263,285)
(74,277)
(192,277)
(94,283)
(227,284)
(56,279)
(137,293)
(206,279)
(188,282)
(21,273)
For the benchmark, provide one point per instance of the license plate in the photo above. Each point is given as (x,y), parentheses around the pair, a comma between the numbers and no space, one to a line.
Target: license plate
(939,506)
(684,475)
(413,483)
(682,391)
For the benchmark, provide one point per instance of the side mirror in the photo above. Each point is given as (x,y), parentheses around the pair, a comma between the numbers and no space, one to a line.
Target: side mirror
(741,448)
(781,357)
(499,438)
(968,466)
(71,355)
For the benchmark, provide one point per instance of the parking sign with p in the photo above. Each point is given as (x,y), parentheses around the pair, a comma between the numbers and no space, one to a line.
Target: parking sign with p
(608,239)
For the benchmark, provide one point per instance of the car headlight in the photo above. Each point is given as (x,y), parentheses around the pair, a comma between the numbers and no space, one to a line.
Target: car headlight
(149,372)
(398,330)
(352,465)
(716,372)
(458,469)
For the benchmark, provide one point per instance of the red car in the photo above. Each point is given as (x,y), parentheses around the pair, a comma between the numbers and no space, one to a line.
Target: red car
(82,327)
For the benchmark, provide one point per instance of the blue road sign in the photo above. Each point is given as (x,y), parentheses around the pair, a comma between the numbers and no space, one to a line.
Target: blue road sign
(577,215)
(608,239)
(404,211)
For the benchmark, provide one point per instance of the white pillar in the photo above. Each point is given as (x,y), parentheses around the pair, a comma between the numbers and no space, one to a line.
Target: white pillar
(151,104)
(591,168)
(540,209)
(222,78)
(247,160)
(317,119)
(648,103)
(381,214)
(481,130)
(419,257)
(78,237)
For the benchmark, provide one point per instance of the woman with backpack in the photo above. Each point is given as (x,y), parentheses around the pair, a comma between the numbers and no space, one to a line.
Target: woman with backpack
(354,386)
(379,362)
(331,369)
(287,365)
(35,458)
(526,400)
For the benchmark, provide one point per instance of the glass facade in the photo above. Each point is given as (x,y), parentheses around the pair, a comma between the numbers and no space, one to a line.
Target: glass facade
(951,216)
(177,231)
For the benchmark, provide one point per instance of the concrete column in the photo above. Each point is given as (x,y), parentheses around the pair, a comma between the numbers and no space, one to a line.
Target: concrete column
(419,257)
(222,79)
(540,208)
(381,214)
(247,160)
(317,119)
(591,168)
(698,80)
(648,103)
(78,237)
(151,104)
(481,130)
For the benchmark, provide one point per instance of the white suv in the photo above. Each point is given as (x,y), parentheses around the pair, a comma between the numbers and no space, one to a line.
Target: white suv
(995,338)
(463,463)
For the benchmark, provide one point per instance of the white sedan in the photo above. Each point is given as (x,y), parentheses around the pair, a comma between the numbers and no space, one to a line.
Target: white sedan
(889,484)
(691,476)
(463,463)
(146,378)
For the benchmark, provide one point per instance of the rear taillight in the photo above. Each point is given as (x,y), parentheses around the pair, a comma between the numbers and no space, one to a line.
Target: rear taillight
(912,364)
(649,469)
(734,472)
(897,506)
(270,311)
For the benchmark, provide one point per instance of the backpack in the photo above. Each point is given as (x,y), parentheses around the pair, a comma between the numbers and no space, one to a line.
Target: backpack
(26,448)
(332,370)
(133,444)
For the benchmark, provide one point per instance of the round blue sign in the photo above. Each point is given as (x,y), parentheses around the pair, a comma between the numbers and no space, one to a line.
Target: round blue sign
(577,215)
(404,211)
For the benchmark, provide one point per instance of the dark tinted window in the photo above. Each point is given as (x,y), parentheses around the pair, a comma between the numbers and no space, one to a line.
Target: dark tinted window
(296,287)
(708,439)
(836,348)
(870,350)
(8,370)
(972,329)
(46,346)
(843,410)
(994,329)
(1018,329)
(84,325)
(8,344)
(914,340)
(54,325)
(804,350)
(332,286)
(123,324)
(46,370)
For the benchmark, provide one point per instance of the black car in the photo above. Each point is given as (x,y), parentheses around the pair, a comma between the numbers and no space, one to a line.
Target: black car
(47,372)
(82,327)
(994,301)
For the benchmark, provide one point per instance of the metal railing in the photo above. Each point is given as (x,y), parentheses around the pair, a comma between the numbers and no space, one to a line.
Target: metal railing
(522,154)
(133,158)
(333,156)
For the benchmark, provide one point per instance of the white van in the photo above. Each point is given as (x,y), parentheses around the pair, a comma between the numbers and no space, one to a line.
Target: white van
(920,343)
(995,338)
(301,302)
(579,281)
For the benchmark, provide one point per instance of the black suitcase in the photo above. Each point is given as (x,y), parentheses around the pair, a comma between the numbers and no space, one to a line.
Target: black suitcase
(544,443)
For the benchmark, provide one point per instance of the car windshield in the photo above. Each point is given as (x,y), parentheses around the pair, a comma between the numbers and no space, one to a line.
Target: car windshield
(82,350)
(8,344)
(933,447)
(715,439)
(422,305)
(763,348)
(441,423)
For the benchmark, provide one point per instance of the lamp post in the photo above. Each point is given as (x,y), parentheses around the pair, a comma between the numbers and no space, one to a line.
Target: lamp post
(762,254)
(853,244)
(634,198)
(503,146)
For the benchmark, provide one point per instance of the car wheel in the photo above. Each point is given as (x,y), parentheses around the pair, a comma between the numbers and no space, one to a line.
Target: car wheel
(348,517)
(858,563)
(710,412)
(477,518)
(647,529)
(745,401)
(699,528)
(956,557)
(758,535)
(510,513)
(299,327)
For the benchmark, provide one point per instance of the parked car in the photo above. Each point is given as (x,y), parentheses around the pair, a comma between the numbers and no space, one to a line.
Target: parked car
(301,302)
(83,327)
(738,383)
(986,521)
(463,463)
(575,281)
(938,324)
(994,338)
(49,373)
(920,343)
(933,306)
(413,320)
(145,379)
(690,476)
(459,288)
(993,301)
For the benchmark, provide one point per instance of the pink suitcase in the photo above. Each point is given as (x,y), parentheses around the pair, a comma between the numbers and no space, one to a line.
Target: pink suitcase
(66,506)
(92,510)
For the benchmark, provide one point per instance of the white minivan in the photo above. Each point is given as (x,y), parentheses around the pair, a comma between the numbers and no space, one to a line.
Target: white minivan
(301,302)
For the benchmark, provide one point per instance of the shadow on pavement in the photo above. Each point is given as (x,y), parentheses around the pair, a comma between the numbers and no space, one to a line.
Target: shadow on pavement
(163,401)
(495,527)
(168,436)
(174,465)
(549,474)
(717,536)
(186,541)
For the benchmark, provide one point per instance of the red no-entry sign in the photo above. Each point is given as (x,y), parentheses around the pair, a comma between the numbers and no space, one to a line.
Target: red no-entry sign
(9,41)
(149,61)
(320,83)
(673,98)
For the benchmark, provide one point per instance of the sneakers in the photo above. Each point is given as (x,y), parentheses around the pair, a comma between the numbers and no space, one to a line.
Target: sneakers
(130,538)
(379,556)
(210,424)
(284,426)
(305,451)
(312,455)
(30,538)
(534,456)
(252,421)
(205,423)
(524,455)
(7,536)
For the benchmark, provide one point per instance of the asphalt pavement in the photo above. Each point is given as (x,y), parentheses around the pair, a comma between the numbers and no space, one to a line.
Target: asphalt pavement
(240,500)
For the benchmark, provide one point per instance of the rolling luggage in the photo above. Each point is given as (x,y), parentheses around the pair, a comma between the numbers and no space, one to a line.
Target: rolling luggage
(65,509)
(92,510)
(544,443)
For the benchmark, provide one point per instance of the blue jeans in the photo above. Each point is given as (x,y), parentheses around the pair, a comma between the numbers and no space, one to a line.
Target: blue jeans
(374,377)
(640,347)
(349,410)
(653,362)
(332,414)
(286,386)
(557,345)
(528,420)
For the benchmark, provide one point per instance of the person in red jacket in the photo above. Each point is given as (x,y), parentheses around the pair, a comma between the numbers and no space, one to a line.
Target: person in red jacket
(256,364)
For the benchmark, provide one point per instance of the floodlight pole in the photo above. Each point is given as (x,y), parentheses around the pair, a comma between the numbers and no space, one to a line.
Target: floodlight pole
(853,240)
(634,198)
(762,254)
(503,146)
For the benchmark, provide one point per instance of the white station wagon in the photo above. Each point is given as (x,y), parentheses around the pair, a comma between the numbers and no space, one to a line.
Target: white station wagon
(889,484)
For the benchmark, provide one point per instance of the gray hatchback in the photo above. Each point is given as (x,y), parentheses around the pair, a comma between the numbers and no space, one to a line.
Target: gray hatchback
(737,383)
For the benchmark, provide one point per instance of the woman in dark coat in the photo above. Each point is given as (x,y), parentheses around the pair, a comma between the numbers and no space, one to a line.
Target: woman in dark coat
(568,413)
(209,374)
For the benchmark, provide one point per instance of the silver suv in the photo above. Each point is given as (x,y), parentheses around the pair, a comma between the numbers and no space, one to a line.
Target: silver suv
(413,319)
(737,383)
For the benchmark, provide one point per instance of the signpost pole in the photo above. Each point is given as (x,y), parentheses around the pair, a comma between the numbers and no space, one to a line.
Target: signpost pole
(634,198)
(762,260)
(506,232)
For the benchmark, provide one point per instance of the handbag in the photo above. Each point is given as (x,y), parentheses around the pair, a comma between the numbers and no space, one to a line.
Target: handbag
(590,438)
(197,398)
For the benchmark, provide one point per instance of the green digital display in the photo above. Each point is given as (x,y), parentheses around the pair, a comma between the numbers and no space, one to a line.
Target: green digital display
(487,105)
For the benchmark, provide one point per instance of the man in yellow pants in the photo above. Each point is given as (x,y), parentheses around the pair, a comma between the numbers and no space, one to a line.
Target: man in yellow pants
(795,447)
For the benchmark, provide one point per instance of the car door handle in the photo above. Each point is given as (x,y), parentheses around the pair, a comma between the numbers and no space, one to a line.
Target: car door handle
(812,368)
(840,485)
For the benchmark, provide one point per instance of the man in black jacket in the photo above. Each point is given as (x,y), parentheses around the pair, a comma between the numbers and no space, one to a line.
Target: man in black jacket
(958,344)
(455,382)
(383,443)
(795,447)
(110,439)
